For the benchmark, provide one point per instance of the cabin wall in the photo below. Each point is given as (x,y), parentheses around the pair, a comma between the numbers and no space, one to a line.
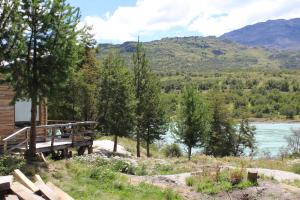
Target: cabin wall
(7,112)
(7,115)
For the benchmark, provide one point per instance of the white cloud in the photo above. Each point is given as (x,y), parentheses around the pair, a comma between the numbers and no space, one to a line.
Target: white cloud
(208,17)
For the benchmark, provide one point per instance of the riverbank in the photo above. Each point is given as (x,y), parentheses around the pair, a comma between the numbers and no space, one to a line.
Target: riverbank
(272,120)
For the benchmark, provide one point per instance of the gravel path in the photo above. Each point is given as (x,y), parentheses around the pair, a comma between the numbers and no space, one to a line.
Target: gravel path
(276,174)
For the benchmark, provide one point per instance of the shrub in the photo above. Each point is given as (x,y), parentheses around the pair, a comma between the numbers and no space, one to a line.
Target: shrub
(236,177)
(141,170)
(190,181)
(296,168)
(123,167)
(10,163)
(172,150)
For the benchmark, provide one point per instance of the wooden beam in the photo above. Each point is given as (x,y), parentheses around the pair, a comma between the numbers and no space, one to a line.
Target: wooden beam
(19,176)
(23,192)
(37,178)
(63,195)
(5,182)
(47,192)
(11,197)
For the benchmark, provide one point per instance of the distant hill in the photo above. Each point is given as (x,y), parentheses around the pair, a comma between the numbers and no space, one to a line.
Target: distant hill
(277,34)
(203,53)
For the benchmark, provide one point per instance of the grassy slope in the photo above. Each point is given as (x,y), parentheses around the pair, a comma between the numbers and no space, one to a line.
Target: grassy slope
(199,53)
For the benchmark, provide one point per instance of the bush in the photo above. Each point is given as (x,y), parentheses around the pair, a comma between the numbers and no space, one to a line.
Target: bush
(172,150)
(123,167)
(296,168)
(10,163)
(236,177)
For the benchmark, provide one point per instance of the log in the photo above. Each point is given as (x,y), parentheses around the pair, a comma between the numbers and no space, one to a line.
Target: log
(47,192)
(23,192)
(19,176)
(11,197)
(5,182)
(252,177)
(63,195)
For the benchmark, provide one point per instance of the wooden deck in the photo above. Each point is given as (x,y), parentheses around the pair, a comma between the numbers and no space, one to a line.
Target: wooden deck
(69,136)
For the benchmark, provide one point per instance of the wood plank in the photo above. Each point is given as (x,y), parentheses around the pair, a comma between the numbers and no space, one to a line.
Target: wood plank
(37,178)
(11,197)
(47,192)
(23,192)
(24,180)
(63,195)
(5,182)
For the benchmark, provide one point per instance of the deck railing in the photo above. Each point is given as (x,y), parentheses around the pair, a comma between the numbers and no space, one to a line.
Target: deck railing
(74,126)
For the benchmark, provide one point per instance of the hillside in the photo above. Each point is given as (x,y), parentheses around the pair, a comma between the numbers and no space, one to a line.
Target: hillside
(277,34)
(192,54)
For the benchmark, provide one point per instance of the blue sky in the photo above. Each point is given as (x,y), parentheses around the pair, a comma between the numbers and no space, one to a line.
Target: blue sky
(117,21)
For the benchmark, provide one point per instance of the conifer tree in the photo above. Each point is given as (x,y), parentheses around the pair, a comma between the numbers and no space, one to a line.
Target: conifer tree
(193,124)
(47,50)
(116,98)
(154,121)
(222,135)
(141,71)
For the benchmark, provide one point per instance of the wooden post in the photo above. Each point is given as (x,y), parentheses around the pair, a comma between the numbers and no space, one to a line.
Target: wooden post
(27,138)
(5,147)
(252,177)
(52,139)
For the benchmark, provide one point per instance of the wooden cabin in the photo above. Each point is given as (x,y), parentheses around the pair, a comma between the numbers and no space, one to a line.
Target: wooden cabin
(15,122)
(14,117)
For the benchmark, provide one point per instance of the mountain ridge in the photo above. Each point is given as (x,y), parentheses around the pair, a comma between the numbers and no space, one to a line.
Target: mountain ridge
(274,34)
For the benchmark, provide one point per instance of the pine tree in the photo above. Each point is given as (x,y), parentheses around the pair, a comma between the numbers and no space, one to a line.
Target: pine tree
(222,135)
(141,71)
(11,32)
(116,98)
(46,52)
(244,138)
(193,124)
(154,122)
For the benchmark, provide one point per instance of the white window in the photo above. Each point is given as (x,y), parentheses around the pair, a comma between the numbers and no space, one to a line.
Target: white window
(23,111)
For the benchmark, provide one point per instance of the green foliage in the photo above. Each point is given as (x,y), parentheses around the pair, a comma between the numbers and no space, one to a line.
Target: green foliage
(244,138)
(10,163)
(194,119)
(221,138)
(172,150)
(217,181)
(47,49)
(116,98)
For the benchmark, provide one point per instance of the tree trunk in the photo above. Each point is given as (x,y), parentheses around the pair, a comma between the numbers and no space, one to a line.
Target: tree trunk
(32,141)
(148,149)
(148,144)
(115,144)
(189,152)
(138,151)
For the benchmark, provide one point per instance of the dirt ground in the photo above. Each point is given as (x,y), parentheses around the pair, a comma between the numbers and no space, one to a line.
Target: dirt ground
(266,190)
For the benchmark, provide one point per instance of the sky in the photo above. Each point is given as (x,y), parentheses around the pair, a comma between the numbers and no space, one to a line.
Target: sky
(117,21)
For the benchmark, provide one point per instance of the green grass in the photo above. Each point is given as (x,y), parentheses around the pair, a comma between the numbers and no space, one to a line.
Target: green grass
(213,182)
(87,182)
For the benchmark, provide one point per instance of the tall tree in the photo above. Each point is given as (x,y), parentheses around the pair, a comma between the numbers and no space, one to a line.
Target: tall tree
(116,98)
(11,28)
(48,51)
(154,121)
(193,124)
(141,71)
(222,135)
(244,138)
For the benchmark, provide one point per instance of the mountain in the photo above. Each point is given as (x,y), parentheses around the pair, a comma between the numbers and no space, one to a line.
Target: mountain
(192,54)
(276,34)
